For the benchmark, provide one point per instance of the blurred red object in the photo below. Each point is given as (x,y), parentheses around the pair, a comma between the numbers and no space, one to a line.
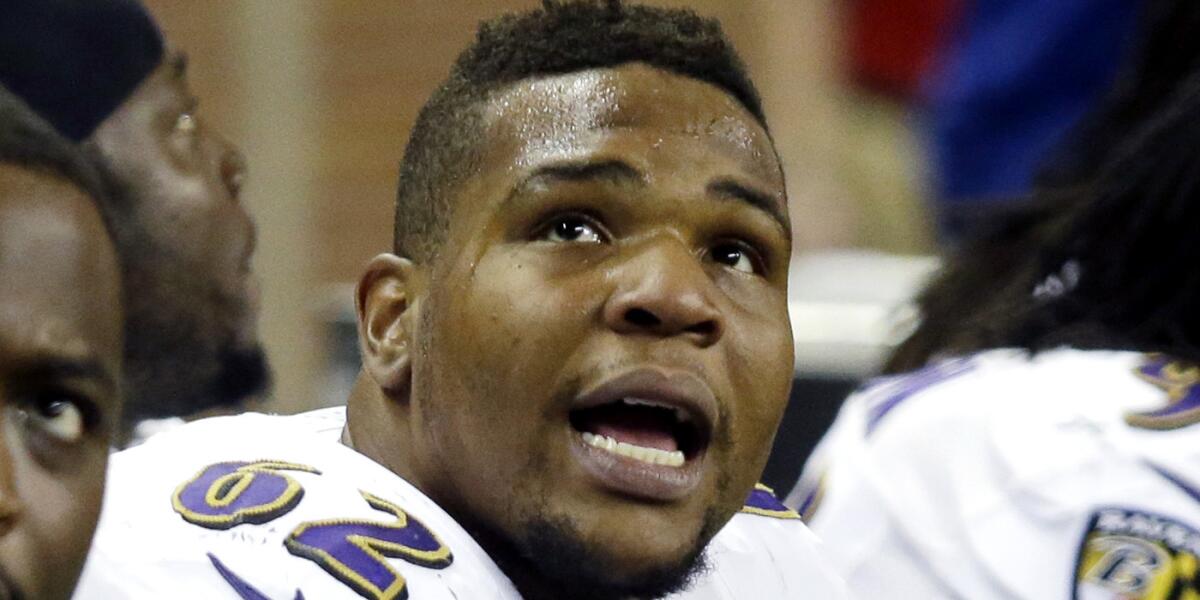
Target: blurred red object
(893,43)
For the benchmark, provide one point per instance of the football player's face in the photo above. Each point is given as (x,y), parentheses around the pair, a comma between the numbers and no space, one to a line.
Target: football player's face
(605,342)
(60,355)
(188,244)
(186,180)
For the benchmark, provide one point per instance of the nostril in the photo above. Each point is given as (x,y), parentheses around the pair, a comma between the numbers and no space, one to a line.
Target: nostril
(703,328)
(642,318)
(233,172)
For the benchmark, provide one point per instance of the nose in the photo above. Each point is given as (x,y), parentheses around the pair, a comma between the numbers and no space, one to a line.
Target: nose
(232,168)
(664,292)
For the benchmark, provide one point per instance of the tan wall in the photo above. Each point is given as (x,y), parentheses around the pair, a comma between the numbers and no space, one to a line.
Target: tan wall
(381,64)
(320,95)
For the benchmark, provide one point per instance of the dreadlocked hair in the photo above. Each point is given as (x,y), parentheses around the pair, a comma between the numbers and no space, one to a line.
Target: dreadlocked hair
(967,304)
(559,37)
(1132,246)
(977,301)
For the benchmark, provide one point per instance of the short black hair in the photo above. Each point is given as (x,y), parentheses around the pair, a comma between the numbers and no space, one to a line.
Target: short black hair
(559,37)
(26,140)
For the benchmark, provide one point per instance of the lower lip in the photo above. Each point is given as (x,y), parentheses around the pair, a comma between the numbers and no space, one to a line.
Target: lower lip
(634,477)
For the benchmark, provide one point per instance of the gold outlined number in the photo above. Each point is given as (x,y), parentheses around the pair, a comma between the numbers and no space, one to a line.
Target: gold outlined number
(228,494)
(355,551)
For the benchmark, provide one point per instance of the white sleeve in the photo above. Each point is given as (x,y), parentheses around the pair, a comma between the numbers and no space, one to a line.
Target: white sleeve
(866,542)
(892,506)
(809,489)
(110,575)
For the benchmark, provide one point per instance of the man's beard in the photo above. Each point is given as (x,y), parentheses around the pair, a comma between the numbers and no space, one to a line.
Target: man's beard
(548,560)
(182,356)
(178,360)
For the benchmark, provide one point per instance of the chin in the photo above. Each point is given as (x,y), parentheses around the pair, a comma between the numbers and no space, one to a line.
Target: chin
(633,564)
(618,563)
(639,539)
(594,554)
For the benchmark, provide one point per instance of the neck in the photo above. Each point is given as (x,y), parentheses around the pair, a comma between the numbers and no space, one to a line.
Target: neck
(376,426)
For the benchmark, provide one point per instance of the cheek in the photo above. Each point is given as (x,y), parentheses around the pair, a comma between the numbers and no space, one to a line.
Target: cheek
(518,320)
(66,505)
(186,212)
(761,371)
(61,509)
(760,341)
(501,337)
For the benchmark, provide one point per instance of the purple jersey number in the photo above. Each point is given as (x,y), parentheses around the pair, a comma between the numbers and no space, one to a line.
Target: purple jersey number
(1181,381)
(228,494)
(356,551)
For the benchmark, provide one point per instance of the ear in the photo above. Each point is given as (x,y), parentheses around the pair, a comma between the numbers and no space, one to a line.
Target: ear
(386,314)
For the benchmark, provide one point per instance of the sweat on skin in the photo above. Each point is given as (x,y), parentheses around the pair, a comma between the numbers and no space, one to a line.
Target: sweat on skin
(626,227)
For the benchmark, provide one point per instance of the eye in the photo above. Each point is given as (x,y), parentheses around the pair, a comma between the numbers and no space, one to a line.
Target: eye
(57,416)
(736,257)
(185,123)
(572,228)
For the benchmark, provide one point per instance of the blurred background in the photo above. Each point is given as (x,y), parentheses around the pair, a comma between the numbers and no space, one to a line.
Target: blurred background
(903,125)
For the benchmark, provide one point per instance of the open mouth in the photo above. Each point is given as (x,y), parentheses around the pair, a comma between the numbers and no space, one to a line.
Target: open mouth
(642,429)
(645,433)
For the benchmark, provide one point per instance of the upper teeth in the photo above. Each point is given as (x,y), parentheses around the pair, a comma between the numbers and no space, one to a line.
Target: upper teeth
(681,415)
(653,456)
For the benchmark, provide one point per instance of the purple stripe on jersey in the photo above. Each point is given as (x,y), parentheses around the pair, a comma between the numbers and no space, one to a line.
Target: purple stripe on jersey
(808,507)
(239,585)
(763,499)
(762,502)
(907,386)
(1175,480)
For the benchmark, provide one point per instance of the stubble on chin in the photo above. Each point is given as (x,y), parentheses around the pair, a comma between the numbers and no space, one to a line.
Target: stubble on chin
(547,557)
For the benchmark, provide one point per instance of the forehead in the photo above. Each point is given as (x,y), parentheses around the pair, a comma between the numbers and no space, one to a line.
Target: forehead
(537,119)
(58,268)
(165,87)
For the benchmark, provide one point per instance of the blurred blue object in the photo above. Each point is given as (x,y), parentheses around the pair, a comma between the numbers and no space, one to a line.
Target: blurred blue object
(1016,75)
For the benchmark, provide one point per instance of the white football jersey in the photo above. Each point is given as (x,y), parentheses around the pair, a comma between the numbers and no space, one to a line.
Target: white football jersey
(1068,474)
(267,507)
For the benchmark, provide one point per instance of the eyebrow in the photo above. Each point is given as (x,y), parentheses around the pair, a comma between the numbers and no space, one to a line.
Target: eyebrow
(59,367)
(612,171)
(731,189)
(621,172)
